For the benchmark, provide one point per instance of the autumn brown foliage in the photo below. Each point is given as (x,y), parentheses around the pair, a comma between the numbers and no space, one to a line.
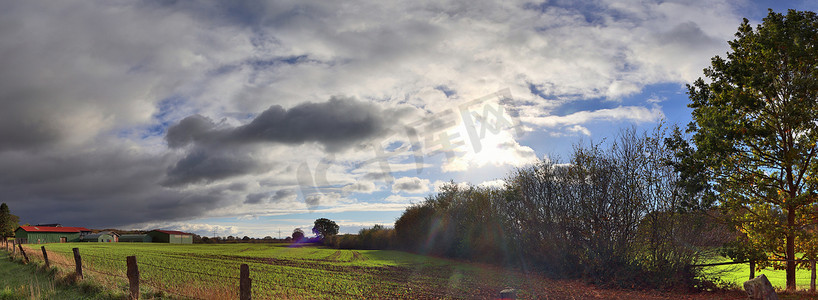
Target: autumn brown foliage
(613,215)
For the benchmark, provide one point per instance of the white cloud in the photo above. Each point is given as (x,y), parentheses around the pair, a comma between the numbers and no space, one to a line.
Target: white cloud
(91,86)
(411,185)
(197,228)
(326,199)
(497,183)
(499,149)
(579,129)
(622,113)
(403,199)
(440,183)
(366,187)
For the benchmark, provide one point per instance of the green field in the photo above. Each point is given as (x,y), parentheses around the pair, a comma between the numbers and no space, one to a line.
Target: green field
(211,271)
(739,273)
(19,281)
(281,271)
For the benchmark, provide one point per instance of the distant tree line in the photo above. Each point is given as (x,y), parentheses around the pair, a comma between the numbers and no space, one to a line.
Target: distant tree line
(376,237)
(324,228)
(198,239)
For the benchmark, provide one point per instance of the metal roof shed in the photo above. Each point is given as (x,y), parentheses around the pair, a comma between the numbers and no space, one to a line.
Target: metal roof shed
(171,236)
(100,237)
(47,234)
(135,238)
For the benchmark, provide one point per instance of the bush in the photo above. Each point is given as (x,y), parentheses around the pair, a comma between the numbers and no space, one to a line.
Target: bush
(610,215)
(376,238)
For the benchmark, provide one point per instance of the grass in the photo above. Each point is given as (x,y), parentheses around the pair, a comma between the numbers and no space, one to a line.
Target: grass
(739,273)
(278,271)
(32,281)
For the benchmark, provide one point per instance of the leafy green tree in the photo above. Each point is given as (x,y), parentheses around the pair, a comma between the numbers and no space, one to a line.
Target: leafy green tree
(755,125)
(8,222)
(414,225)
(298,234)
(324,227)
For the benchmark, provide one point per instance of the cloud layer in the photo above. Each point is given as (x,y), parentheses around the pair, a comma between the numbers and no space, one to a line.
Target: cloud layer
(147,112)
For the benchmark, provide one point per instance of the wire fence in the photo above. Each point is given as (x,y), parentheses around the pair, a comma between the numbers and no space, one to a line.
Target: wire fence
(194,279)
(152,274)
(177,281)
(217,276)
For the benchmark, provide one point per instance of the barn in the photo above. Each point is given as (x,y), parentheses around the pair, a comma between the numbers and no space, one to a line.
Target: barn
(48,234)
(170,236)
(135,238)
(101,237)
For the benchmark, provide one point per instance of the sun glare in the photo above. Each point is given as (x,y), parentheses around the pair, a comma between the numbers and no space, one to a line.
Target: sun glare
(500,149)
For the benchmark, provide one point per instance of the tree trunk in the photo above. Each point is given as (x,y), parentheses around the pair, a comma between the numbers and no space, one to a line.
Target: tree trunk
(790,255)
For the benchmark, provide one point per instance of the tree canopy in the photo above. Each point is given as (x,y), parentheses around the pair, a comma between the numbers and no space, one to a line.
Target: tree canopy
(325,227)
(8,222)
(755,130)
(298,234)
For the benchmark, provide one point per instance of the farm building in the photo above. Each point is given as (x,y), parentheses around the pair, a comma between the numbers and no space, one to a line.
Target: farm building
(101,237)
(170,236)
(47,234)
(135,238)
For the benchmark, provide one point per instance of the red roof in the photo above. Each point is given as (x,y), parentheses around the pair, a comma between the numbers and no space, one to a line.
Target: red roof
(53,229)
(172,232)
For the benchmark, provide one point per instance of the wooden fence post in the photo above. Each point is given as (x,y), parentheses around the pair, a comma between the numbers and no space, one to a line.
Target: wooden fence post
(812,278)
(78,261)
(133,276)
(245,284)
(752,269)
(45,257)
(23,252)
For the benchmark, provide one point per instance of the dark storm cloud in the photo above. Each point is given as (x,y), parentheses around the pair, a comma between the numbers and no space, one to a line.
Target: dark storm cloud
(188,130)
(109,186)
(87,90)
(16,134)
(202,166)
(336,124)
(255,198)
(221,152)
(278,196)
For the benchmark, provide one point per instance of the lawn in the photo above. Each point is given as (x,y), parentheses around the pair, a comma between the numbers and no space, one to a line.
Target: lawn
(739,273)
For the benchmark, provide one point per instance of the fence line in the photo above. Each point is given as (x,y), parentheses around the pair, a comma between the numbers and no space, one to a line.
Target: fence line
(245,287)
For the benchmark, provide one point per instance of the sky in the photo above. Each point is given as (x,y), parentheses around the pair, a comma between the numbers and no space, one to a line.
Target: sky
(257,117)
